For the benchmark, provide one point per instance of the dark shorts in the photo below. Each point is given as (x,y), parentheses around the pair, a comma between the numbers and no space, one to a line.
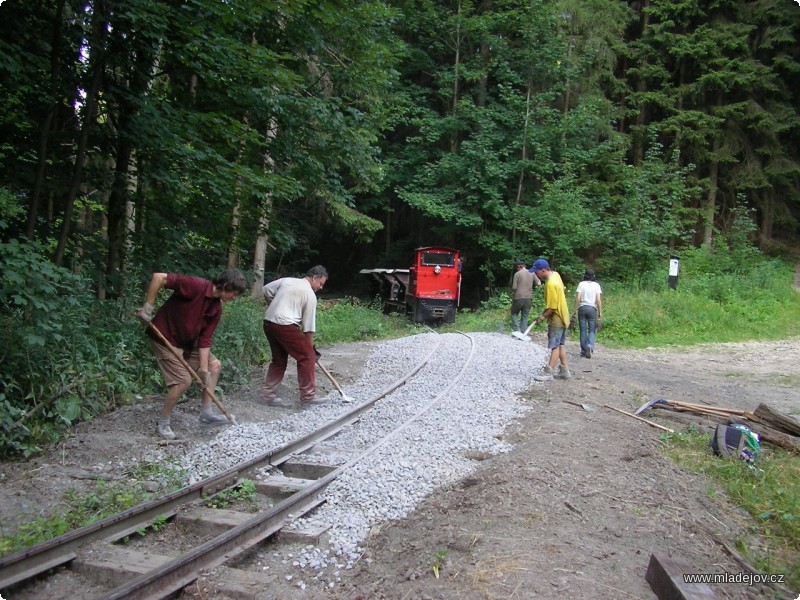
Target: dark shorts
(556,336)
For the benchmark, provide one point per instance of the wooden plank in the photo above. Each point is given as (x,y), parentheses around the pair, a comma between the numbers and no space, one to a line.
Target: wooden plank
(33,571)
(771,435)
(777,420)
(239,584)
(306,470)
(213,520)
(665,577)
(278,485)
(307,535)
(109,563)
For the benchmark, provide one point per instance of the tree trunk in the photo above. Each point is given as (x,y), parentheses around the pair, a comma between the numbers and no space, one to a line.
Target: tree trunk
(44,132)
(521,182)
(767,217)
(97,64)
(456,67)
(118,215)
(711,199)
(262,241)
(233,247)
(641,87)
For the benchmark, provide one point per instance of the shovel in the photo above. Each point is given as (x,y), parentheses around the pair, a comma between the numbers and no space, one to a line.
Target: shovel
(192,372)
(524,336)
(714,411)
(345,397)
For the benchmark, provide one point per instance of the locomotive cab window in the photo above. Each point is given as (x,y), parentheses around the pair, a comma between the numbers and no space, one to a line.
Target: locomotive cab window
(437,258)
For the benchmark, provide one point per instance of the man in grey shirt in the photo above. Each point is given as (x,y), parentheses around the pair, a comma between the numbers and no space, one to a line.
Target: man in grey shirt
(522,286)
(289,324)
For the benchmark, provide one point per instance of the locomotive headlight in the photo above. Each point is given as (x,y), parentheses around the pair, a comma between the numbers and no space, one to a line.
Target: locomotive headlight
(437,269)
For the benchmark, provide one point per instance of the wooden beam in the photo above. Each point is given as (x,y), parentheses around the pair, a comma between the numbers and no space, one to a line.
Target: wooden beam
(665,577)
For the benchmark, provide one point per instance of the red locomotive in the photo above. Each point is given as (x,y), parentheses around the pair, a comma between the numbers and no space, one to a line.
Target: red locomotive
(429,291)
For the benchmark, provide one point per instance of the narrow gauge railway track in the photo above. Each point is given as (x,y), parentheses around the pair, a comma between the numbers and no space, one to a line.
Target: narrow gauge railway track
(172,575)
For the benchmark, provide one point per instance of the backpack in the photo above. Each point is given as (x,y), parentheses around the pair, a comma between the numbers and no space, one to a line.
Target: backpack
(735,440)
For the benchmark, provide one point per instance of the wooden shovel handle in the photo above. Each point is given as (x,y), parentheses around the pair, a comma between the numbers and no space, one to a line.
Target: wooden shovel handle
(651,423)
(179,355)
(329,376)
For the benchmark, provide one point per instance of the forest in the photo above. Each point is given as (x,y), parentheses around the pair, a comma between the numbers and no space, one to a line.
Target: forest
(191,135)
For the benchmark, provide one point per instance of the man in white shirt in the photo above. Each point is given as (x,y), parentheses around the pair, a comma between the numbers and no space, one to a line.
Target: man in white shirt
(289,324)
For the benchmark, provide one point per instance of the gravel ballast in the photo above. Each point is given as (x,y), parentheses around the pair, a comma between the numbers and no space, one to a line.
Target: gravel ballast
(444,430)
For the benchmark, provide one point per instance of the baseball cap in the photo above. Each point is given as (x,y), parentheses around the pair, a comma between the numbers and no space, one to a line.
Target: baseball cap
(540,264)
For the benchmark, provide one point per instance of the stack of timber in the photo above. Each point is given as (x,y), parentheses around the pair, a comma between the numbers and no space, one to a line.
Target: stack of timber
(770,425)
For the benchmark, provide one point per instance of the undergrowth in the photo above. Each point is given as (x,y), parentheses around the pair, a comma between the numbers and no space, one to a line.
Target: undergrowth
(81,508)
(770,493)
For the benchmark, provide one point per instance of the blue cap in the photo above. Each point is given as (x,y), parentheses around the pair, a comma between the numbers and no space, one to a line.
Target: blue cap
(540,264)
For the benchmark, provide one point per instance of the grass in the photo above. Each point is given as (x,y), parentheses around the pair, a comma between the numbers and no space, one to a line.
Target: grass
(759,305)
(242,493)
(770,494)
(83,508)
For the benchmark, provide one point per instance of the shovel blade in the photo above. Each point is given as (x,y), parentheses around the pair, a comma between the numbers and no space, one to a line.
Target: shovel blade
(521,336)
(650,404)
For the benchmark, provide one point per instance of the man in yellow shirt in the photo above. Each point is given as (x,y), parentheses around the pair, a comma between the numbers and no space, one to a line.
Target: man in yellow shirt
(556,312)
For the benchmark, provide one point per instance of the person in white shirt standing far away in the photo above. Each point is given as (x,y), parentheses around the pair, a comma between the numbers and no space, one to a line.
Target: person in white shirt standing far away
(589,308)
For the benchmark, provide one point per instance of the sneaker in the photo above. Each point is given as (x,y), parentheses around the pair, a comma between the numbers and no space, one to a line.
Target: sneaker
(563,374)
(164,429)
(212,418)
(547,370)
(588,353)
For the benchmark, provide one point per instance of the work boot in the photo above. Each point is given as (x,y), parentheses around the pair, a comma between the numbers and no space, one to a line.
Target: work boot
(209,417)
(563,373)
(164,429)
(279,402)
(547,374)
(588,352)
(313,400)
(271,399)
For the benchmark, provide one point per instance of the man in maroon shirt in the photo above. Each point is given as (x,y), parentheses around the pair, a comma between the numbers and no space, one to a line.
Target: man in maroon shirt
(188,320)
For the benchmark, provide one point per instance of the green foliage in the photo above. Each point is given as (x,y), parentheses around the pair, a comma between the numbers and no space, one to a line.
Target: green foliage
(499,300)
(158,523)
(243,492)
(44,310)
(167,473)
(716,299)
(351,321)
(770,493)
(438,561)
(83,508)
(79,509)
(239,341)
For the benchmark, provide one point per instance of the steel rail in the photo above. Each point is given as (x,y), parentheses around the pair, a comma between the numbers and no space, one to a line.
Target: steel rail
(169,578)
(60,550)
